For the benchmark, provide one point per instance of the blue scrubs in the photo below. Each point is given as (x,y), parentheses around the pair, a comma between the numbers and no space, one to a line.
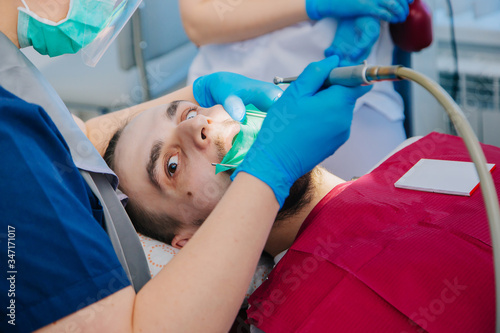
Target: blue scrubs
(55,256)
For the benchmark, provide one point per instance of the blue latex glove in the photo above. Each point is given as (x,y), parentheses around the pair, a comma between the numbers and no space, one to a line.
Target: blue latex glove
(301,129)
(393,11)
(354,39)
(234,91)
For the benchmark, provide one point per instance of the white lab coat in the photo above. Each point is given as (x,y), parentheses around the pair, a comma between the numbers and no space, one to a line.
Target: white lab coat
(286,52)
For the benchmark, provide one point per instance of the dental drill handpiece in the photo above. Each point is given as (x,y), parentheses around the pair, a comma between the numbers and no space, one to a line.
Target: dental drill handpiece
(353,76)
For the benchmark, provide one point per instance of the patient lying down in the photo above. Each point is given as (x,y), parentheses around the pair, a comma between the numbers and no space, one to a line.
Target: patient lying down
(164,158)
(363,255)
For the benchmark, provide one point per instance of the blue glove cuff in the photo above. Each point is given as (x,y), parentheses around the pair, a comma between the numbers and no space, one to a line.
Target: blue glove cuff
(267,169)
(281,187)
(312,11)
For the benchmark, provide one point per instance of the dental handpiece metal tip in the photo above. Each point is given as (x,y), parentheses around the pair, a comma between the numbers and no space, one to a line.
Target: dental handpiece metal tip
(285,80)
(225,165)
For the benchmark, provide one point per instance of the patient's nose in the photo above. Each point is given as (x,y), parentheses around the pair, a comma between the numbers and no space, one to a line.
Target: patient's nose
(196,130)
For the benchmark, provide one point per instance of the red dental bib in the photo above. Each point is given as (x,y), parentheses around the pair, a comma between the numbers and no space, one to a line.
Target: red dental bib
(374,258)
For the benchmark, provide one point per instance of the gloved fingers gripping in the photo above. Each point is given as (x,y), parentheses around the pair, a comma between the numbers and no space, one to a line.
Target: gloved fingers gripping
(350,94)
(406,6)
(313,76)
(390,11)
(201,92)
(234,107)
(350,62)
(368,30)
(356,92)
(341,49)
(363,33)
(356,57)
(343,43)
(266,97)
(398,10)
(382,14)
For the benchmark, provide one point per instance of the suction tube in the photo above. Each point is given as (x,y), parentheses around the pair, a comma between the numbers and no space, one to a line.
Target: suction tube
(476,153)
(353,76)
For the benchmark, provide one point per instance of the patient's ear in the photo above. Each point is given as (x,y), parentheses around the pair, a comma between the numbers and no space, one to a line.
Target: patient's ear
(181,239)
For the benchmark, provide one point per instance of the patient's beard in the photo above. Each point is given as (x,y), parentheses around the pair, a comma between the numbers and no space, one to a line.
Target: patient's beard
(300,195)
(221,150)
(219,140)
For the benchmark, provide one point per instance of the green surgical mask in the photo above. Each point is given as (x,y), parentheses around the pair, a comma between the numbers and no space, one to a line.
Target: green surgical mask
(242,142)
(85,19)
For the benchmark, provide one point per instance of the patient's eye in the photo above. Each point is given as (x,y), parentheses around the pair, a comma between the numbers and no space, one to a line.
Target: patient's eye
(172,165)
(191,114)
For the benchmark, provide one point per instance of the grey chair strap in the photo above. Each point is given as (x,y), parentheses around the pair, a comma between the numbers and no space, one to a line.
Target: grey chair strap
(120,230)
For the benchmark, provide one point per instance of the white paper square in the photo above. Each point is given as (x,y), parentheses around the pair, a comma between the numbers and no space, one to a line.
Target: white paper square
(439,176)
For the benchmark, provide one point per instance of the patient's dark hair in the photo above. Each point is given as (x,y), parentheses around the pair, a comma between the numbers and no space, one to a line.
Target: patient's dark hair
(161,227)
(109,155)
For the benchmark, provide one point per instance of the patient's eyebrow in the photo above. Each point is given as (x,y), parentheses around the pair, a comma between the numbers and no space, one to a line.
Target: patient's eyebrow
(151,167)
(156,149)
(172,109)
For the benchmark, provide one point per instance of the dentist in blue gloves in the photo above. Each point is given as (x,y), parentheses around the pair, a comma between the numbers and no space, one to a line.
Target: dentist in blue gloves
(64,274)
(265,38)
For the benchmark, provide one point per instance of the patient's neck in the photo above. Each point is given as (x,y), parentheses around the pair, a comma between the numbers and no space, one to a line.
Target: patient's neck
(284,231)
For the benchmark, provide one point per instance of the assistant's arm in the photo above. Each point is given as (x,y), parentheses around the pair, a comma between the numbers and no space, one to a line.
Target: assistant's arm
(203,286)
(213,21)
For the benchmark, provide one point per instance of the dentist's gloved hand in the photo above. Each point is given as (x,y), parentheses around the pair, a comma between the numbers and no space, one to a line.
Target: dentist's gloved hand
(393,11)
(354,39)
(301,129)
(234,91)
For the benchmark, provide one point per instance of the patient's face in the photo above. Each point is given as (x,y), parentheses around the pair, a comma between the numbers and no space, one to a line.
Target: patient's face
(163,159)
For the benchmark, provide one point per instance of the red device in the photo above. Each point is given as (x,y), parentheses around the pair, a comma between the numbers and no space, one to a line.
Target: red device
(414,34)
